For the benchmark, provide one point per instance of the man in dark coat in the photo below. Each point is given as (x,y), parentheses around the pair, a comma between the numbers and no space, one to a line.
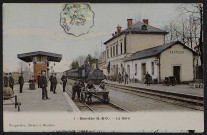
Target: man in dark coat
(43,83)
(82,84)
(6,80)
(21,82)
(51,82)
(54,80)
(64,80)
(90,86)
(11,81)
(38,80)
(102,85)
(126,78)
(147,77)
(75,89)
(119,77)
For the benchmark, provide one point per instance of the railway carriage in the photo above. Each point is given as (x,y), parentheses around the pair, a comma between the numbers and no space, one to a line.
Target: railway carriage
(86,73)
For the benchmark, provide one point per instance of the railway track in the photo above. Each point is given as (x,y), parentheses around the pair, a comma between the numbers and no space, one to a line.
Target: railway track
(189,102)
(96,106)
(194,103)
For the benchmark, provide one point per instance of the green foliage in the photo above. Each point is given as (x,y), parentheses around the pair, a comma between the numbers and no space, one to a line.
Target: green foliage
(74,64)
(91,59)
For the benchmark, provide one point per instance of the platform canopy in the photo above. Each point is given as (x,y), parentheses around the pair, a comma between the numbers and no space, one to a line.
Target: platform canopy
(27,57)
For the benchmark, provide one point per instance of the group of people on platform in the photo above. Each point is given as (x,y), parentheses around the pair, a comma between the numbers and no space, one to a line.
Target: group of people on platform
(125,78)
(80,86)
(9,81)
(42,83)
(53,83)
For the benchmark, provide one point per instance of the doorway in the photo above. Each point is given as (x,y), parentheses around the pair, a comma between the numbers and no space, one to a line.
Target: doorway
(176,73)
(143,71)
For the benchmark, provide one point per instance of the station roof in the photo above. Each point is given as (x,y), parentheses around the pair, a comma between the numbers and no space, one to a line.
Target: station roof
(137,29)
(27,57)
(154,51)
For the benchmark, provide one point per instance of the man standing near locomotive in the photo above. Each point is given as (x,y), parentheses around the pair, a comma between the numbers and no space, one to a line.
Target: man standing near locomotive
(64,80)
(38,80)
(21,82)
(76,89)
(43,82)
(102,85)
(82,84)
(54,80)
(11,81)
(6,80)
(90,86)
(51,82)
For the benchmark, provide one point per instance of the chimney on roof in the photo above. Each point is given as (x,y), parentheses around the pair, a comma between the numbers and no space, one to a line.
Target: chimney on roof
(129,23)
(145,21)
(118,29)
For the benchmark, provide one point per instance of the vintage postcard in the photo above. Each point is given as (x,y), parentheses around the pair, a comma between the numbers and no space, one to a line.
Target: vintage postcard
(98,67)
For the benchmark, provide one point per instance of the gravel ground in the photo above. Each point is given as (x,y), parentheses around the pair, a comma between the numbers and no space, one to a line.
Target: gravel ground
(134,102)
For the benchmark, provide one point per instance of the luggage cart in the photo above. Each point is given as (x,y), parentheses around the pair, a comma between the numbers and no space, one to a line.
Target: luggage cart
(86,94)
(12,98)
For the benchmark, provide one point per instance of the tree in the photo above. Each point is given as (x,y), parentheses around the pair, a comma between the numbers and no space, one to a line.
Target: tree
(196,10)
(188,27)
(90,59)
(74,64)
(81,59)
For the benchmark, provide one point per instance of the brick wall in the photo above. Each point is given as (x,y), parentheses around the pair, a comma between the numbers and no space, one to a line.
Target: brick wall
(38,68)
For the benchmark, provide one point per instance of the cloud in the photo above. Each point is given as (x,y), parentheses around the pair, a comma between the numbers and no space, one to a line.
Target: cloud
(49,34)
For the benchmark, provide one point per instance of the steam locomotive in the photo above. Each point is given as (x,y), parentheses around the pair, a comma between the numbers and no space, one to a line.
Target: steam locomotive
(86,73)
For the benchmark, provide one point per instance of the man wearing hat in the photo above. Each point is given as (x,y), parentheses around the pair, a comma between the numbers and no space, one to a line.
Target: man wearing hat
(51,82)
(102,85)
(6,80)
(54,82)
(38,80)
(43,83)
(64,80)
(11,81)
(21,82)
(90,86)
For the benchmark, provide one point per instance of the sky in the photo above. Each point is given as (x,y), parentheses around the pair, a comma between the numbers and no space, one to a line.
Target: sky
(36,27)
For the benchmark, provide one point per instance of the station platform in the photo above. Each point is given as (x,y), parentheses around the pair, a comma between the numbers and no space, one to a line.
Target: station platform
(31,100)
(183,89)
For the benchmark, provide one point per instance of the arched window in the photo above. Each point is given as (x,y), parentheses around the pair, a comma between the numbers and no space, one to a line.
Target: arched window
(144,27)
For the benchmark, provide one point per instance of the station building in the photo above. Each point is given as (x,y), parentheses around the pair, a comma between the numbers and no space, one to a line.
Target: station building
(123,44)
(172,59)
(141,48)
